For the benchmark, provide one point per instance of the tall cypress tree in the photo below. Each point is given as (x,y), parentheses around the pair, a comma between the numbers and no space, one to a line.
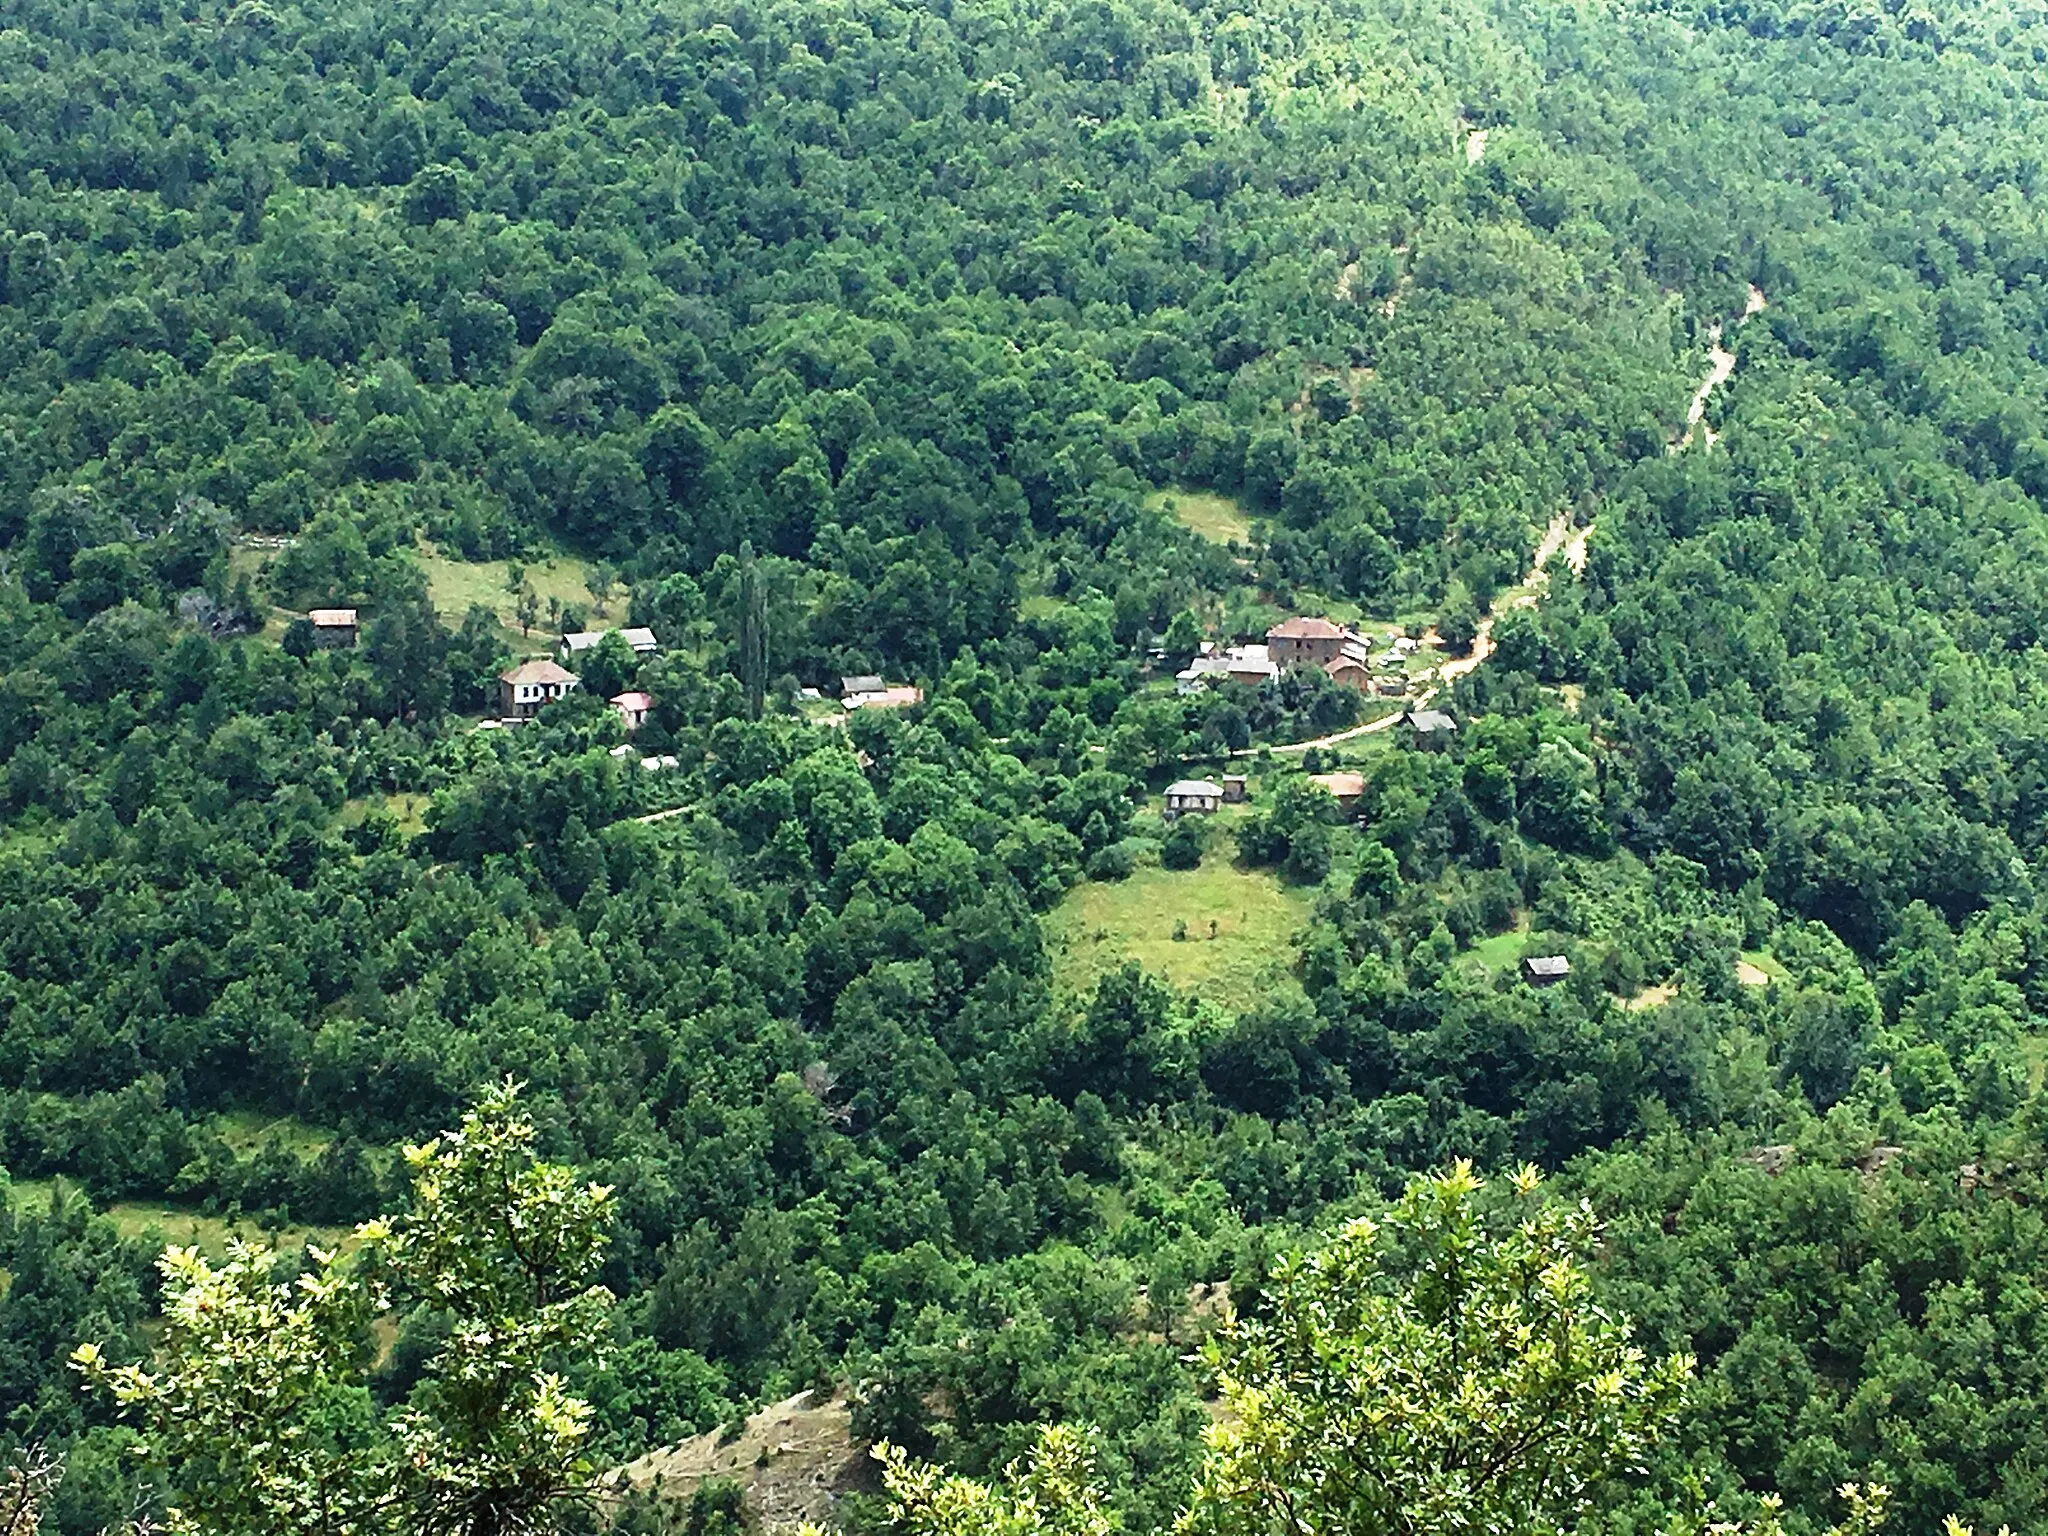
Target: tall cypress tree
(753,636)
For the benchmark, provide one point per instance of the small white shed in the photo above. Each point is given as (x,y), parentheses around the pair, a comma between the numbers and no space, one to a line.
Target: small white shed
(1193,795)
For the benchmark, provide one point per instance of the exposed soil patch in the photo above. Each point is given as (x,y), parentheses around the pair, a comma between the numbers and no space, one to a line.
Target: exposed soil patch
(1650,997)
(792,1461)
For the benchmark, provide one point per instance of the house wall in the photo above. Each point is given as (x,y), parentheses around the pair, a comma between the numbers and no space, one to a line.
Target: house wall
(1289,651)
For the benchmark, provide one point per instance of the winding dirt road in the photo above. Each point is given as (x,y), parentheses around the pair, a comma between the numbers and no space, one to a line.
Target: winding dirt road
(1559,536)
(1720,365)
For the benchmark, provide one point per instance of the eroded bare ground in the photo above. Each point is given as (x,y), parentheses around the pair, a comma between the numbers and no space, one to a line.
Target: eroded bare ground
(792,1461)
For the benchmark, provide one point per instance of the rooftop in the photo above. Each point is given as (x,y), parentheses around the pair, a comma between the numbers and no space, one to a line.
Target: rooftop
(1195,787)
(634,700)
(1547,965)
(1345,786)
(1307,629)
(901,697)
(538,671)
(865,682)
(1426,720)
(585,640)
(332,618)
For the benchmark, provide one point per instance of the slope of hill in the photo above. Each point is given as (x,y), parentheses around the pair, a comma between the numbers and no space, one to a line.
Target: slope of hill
(871,337)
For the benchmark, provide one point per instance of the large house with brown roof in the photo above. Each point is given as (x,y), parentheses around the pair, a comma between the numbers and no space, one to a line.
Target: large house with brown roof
(526,688)
(1307,642)
(1342,653)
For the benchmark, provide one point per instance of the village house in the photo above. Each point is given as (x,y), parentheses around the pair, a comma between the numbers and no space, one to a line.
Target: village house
(524,689)
(1545,970)
(1252,664)
(641,641)
(1193,795)
(1390,685)
(865,682)
(1247,664)
(632,707)
(1431,729)
(1348,672)
(1345,788)
(1343,654)
(333,628)
(1307,642)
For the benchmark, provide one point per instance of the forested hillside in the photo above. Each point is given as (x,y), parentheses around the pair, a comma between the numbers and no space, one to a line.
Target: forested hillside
(1013,352)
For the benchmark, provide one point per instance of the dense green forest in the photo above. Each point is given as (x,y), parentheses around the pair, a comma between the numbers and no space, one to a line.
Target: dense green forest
(864,336)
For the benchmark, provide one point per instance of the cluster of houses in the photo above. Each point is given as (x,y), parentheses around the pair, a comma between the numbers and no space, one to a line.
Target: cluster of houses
(1340,651)
(525,690)
(528,688)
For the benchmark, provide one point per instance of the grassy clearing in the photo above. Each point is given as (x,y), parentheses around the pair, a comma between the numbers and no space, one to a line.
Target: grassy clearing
(454,585)
(245,1130)
(408,809)
(1499,951)
(244,560)
(181,1225)
(1361,750)
(1220,519)
(1101,925)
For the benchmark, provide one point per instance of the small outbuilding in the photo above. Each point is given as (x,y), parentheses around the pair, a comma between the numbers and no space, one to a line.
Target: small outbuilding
(1545,970)
(1235,789)
(865,682)
(632,707)
(1349,673)
(525,689)
(1193,677)
(1193,795)
(1431,727)
(334,629)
